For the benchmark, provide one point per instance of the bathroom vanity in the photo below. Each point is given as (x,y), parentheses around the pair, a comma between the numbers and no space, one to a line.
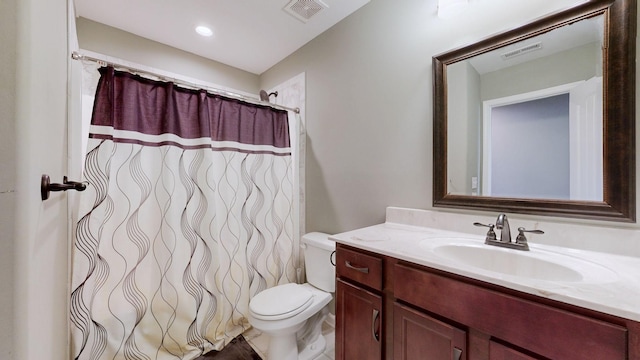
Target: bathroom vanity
(411,288)
(408,292)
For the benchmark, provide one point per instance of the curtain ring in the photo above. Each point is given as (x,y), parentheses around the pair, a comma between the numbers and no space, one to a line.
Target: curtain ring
(332,259)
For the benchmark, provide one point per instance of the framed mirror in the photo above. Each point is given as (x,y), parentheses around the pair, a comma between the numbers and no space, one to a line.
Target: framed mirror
(541,119)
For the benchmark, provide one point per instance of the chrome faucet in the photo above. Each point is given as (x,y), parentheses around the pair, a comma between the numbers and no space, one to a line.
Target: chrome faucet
(502,224)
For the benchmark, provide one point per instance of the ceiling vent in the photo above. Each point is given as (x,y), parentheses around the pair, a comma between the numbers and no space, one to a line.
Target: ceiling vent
(304,10)
(521,51)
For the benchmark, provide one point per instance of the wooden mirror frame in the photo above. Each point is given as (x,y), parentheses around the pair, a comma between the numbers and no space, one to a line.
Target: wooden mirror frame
(619,89)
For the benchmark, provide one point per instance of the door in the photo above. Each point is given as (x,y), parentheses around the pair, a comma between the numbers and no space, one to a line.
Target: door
(419,336)
(585,141)
(498,351)
(358,323)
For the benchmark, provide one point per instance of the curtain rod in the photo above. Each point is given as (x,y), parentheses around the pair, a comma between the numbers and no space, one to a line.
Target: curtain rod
(77,56)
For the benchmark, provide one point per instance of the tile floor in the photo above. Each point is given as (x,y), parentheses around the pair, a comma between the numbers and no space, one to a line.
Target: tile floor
(260,342)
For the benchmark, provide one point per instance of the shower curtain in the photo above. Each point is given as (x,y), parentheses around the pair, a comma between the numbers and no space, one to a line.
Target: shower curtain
(189,213)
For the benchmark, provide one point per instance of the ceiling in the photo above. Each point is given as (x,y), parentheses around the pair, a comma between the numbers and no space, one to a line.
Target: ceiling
(560,39)
(252,35)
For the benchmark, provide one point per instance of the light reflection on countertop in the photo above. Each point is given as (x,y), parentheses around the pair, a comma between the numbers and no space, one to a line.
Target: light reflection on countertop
(609,283)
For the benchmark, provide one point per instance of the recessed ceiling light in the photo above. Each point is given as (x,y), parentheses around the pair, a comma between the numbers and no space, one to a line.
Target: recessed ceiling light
(204,31)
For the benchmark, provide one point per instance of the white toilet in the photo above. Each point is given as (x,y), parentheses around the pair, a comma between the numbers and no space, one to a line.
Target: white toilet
(292,314)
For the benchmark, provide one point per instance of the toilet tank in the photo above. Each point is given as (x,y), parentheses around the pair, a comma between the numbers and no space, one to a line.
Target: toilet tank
(318,251)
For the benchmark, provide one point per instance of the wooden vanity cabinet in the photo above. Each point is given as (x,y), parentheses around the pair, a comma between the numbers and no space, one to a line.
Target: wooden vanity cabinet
(358,319)
(540,329)
(498,351)
(425,313)
(420,336)
(359,312)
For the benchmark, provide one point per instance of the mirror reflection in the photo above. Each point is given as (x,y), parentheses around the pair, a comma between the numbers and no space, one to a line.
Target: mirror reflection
(550,158)
(526,120)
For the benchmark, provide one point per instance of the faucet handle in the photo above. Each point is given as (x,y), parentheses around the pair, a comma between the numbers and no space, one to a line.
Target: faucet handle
(491,235)
(521,239)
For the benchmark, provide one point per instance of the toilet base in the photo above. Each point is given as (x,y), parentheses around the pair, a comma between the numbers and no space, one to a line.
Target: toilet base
(283,347)
(314,349)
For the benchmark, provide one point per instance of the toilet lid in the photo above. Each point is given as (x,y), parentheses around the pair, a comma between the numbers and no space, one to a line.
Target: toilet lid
(281,301)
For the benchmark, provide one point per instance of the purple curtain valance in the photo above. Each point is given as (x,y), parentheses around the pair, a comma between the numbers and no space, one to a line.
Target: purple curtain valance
(132,103)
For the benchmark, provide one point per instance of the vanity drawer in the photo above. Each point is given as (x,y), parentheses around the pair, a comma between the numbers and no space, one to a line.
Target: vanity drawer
(544,330)
(359,267)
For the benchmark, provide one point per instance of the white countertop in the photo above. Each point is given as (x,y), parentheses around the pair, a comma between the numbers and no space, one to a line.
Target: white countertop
(611,285)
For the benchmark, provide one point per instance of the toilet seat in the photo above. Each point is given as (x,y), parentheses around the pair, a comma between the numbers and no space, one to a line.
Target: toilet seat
(281,302)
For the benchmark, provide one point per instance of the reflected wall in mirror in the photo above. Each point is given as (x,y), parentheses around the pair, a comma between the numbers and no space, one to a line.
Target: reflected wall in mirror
(526,109)
(541,119)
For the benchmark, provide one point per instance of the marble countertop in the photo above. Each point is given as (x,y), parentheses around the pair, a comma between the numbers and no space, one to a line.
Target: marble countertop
(610,284)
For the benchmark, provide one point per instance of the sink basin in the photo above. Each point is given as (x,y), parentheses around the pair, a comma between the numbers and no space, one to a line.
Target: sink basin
(508,262)
(536,264)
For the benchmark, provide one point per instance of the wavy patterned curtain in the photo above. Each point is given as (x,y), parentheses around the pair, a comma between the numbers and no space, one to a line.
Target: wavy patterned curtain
(187,216)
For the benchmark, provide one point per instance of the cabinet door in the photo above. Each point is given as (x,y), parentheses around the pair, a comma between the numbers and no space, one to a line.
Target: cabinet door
(550,332)
(419,336)
(498,351)
(358,323)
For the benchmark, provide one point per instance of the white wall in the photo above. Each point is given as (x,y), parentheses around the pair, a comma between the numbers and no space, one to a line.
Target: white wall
(126,46)
(569,66)
(369,104)
(464,118)
(7,171)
